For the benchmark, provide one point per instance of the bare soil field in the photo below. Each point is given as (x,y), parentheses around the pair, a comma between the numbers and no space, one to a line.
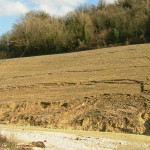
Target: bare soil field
(99,90)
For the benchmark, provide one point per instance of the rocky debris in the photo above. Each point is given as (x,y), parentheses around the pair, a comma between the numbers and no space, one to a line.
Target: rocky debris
(23,147)
(30,146)
(55,141)
(38,144)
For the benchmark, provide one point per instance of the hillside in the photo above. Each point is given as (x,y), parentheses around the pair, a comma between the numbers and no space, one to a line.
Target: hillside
(91,90)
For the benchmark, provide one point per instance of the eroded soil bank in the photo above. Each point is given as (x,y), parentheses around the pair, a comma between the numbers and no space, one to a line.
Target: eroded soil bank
(124,113)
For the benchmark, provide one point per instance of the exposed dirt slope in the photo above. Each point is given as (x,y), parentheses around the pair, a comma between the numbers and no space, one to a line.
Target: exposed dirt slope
(116,113)
(103,90)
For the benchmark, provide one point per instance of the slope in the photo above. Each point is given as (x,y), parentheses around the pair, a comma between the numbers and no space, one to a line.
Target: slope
(98,90)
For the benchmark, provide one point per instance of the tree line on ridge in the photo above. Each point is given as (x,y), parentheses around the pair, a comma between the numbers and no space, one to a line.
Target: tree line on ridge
(87,27)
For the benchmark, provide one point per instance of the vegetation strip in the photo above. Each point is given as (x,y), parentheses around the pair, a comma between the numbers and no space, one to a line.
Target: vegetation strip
(121,23)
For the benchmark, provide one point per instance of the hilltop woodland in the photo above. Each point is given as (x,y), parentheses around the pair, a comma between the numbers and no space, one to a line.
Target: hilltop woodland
(88,27)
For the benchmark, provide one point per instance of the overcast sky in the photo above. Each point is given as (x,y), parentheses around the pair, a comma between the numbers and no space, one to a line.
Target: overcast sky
(10,10)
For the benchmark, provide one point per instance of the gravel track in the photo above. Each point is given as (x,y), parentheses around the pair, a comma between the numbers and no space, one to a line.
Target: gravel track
(63,141)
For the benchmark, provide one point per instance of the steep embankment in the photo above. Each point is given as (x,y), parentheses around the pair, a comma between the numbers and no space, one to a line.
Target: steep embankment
(92,90)
(108,112)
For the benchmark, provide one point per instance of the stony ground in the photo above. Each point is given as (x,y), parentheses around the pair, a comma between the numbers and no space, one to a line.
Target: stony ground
(64,141)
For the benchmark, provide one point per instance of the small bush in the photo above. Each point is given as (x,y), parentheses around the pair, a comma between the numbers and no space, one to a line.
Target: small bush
(4,143)
(115,33)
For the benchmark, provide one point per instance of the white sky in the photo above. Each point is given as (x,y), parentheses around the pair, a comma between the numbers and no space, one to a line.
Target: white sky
(53,7)
(10,7)
(10,10)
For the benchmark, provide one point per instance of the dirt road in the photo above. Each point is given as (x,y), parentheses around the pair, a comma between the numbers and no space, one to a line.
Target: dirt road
(64,141)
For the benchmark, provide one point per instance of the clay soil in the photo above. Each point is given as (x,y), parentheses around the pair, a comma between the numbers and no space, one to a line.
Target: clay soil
(98,90)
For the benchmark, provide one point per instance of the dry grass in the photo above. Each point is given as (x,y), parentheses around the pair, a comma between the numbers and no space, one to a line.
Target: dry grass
(86,84)
(69,76)
(5,144)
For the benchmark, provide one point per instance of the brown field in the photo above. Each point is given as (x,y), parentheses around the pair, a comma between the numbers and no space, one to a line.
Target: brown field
(97,90)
